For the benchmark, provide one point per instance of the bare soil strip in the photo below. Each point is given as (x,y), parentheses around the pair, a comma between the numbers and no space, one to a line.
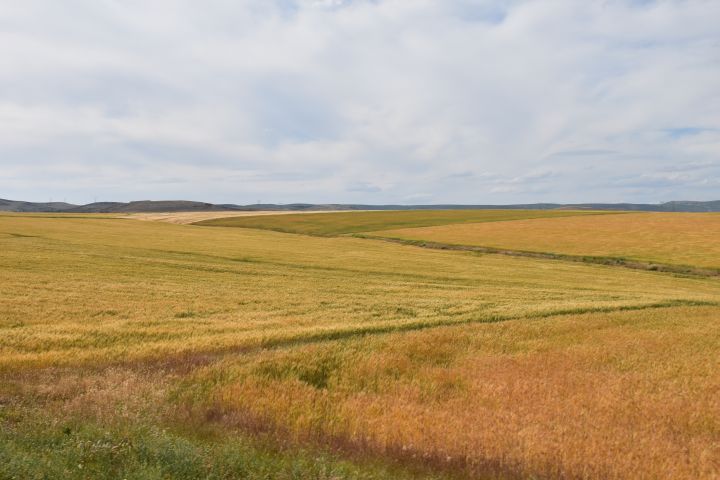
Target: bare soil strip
(187,218)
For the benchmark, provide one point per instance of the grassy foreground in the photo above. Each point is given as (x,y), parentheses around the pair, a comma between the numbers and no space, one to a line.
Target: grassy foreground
(356,222)
(146,350)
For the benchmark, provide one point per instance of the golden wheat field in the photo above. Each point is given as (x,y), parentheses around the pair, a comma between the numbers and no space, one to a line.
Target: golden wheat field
(674,238)
(151,350)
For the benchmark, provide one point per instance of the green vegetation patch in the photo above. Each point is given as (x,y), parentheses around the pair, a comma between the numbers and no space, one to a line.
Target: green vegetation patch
(50,448)
(354,222)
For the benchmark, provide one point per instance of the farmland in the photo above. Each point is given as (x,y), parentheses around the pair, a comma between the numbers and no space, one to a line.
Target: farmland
(338,223)
(672,238)
(153,350)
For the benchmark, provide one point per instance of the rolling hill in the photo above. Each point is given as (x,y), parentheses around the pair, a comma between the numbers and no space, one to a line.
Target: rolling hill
(148,206)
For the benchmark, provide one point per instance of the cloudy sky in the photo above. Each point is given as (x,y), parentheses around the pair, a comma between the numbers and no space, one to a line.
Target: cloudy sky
(372,101)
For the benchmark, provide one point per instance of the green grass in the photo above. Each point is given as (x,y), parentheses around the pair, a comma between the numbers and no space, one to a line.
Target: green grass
(37,444)
(356,222)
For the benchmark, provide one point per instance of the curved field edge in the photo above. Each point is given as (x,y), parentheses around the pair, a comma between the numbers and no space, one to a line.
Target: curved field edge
(686,240)
(329,224)
(626,262)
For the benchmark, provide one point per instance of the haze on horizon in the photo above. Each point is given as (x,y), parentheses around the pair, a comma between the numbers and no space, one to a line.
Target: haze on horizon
(360,101)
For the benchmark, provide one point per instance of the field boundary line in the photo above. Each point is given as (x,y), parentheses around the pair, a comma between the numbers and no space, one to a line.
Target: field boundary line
(687,270)
(190,359)
(209,356)
(564,214)
(495,318)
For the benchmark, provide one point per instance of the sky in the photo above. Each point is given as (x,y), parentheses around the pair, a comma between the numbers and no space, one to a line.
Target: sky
(360,101)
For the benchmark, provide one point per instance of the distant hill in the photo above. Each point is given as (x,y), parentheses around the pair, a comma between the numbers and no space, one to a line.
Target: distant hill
(149,206)
(152,206)
(678,206)
(19,206)
(143,206)
(689,206)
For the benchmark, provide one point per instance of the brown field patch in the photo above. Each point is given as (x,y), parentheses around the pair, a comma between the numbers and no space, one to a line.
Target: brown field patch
(187,218)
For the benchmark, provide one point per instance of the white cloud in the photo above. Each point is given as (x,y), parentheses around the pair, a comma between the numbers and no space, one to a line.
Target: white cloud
(464,101)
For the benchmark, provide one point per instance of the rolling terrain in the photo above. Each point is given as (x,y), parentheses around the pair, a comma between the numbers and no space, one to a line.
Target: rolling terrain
(139,349)
(164,206)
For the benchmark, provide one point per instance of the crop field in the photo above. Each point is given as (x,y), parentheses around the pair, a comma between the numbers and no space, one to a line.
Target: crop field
(152,350)
(674,238)
(338,223)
